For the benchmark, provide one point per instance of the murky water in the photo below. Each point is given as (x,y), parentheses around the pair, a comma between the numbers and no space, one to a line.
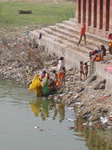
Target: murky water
(28,123)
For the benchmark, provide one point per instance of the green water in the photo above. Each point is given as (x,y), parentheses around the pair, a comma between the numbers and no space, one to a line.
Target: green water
(29,123)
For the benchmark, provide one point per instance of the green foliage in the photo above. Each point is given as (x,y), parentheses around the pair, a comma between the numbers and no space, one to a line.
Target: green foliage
(42,13)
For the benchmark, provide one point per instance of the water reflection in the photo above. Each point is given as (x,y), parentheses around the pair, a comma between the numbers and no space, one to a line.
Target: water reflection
(96,139)
(41,107)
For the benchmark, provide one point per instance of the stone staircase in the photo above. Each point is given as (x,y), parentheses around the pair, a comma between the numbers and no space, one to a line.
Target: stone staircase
(66,34)
(62,40)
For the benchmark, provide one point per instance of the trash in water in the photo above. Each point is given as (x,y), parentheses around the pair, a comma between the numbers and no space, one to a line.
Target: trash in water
(71,108)
(70,119)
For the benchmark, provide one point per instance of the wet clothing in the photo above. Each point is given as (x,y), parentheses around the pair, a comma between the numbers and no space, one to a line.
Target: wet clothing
(39,91)
(45,89)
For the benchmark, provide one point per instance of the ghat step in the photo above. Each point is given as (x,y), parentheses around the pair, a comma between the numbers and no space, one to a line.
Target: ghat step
(62,39)
(67,34)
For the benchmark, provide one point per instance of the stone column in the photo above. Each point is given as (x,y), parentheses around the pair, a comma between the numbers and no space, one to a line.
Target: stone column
(104,17)
(88,14)
(98,14)
(110,25)
(94,16)
(87,7)
(99,27)
(84,11)
(82,2)
(77,11)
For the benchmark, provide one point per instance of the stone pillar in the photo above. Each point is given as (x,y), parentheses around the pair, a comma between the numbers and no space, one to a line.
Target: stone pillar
(82,2)
(90,29)
(88,14)
(77,11)
(98,14)
(87,11)
(104,17)
(84,11)
(110,27)
(99,17)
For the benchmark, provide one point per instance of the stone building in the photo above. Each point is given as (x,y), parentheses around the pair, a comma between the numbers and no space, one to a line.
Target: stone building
(97,14)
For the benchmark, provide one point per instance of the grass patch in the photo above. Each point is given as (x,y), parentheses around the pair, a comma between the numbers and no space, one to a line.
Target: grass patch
(43,14)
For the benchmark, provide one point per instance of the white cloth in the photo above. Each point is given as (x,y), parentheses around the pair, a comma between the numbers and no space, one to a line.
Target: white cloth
(61,64)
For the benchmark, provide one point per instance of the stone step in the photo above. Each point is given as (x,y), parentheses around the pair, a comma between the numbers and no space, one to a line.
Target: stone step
(71,39)
(69,30)
(66,27)
(97,39)
(82,49)
(90,37)
(70,23)
(74,34)
(67,43)
(72,20)
(69,36)
(66,46)
(58,34)
(63,31)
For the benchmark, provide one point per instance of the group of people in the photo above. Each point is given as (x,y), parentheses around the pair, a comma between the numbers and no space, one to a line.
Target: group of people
(100,55)
(49,81)
(95,55)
